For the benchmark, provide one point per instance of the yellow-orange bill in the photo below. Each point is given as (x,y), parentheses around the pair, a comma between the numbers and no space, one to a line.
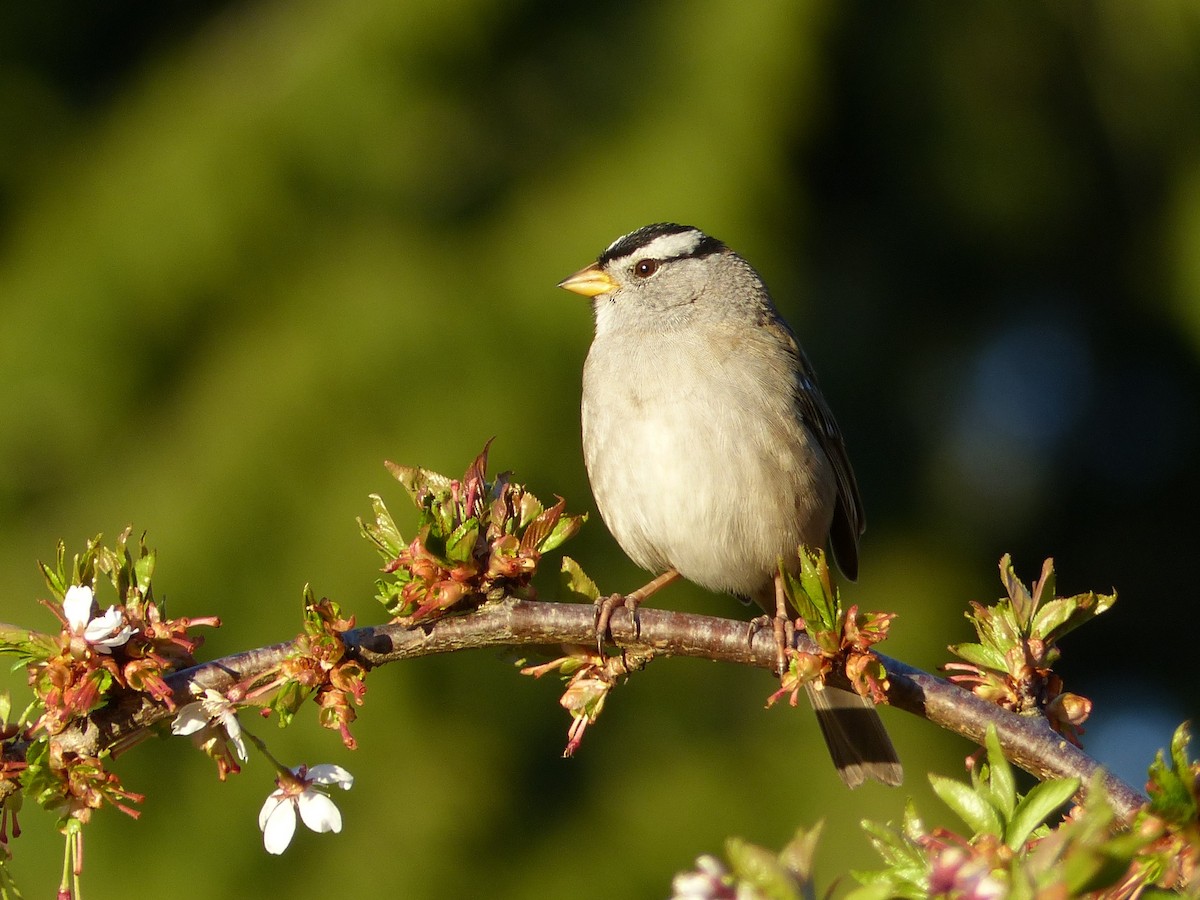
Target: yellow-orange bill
(590,282)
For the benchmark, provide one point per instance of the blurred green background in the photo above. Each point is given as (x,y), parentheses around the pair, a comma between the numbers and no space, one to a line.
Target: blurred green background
(248,250)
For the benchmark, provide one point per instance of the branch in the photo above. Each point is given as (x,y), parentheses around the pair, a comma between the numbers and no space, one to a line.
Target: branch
(1027,741)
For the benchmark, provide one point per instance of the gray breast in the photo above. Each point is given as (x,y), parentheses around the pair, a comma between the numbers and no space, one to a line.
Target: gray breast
(697,458)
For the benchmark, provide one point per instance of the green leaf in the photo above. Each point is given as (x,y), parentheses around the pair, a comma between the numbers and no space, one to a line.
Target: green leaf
(417,481)
(1066,614)
(903,853)
(542,526)
(816,598)
(912,826)
(460,546)
(57,578)
(1018,594)
(1179,744)
(980,655)
(143,568)
(576,586)
(1089,869)
(762,870)
(1036,806)
(27,645)
(898,852)
(1044,586)
(887,842)
(971,807)
(564,529)
(382,530)
(801,851)
(883,889)
(528,509)
(1053,615)
(1002,787)
(1170,785)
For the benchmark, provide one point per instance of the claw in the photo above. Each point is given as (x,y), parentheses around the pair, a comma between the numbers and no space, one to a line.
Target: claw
(605,607)
(754,626)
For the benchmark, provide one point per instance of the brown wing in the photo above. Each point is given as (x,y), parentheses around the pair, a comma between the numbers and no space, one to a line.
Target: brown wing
(849,519)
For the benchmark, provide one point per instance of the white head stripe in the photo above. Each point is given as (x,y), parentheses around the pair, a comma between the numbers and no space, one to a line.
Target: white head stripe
(666,246)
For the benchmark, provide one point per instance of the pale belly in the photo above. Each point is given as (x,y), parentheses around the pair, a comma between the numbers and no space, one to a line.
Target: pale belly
(701,474)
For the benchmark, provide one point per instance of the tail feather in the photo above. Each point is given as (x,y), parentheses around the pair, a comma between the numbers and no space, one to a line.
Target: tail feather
(856,738)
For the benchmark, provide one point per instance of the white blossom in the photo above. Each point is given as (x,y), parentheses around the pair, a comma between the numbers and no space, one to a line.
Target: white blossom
(103,632)
(212,709)
(302,793)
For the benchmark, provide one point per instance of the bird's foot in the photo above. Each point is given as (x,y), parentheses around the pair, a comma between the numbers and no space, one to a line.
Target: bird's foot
(606,606)
(785,637)
(784,631)
(755,625)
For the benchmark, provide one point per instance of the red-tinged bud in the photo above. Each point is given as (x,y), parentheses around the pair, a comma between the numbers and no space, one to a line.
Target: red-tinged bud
(351,678)
(330,615)
(83,696)
(512,567)
(445,594)
(850,632)
(808,666)
(303,670)
(872,627)
(1037,651)
(463,574)
(802,669)
(867,676)
(585,695)
(575,735)
(1069,708)
(426,570)
(1151,828)
(78,647)
(145,675)
(584,699)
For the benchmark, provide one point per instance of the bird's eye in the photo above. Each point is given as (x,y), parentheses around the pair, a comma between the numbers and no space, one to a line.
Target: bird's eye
(644,268)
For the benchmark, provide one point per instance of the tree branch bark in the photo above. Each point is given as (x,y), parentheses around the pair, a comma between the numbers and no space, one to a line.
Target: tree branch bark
(1028,742)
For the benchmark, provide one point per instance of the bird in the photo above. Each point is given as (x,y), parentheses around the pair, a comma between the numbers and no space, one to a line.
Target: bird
(710,450)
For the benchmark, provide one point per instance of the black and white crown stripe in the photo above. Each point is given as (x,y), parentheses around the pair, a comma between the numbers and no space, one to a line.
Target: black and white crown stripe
(664,241)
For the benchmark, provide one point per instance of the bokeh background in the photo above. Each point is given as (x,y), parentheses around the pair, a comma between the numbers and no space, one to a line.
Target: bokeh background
(249,250)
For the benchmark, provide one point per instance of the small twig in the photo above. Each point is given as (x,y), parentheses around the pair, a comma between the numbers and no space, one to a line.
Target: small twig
(1027,741)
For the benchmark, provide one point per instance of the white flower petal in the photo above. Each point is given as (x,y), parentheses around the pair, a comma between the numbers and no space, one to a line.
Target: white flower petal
(239,746)
(104,624)
(116,640)
(268,807)
(278,824)
(327,773)
(77,605)
(108,629)
(691,886)
(190,719)
(229,721)
(233,730)
(319,813)
(107,645)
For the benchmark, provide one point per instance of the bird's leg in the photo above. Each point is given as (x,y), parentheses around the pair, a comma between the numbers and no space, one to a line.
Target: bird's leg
(605,606)
(785,630)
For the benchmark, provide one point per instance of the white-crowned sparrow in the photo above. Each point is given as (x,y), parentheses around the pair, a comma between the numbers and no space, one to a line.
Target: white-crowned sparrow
(710,450)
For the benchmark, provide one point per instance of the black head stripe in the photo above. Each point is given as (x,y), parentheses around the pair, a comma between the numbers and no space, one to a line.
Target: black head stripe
(635,240)
(707,247)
